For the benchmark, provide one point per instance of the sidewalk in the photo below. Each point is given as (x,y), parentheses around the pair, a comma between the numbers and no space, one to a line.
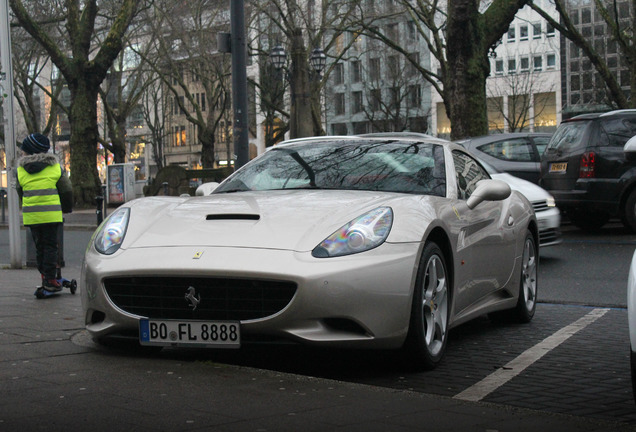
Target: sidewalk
(55,378)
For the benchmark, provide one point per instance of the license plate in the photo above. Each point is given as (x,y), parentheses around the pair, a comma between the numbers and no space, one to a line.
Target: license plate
(558,167)
(210,334)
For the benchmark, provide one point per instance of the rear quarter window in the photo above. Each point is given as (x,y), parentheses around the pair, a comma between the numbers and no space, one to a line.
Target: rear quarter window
(618,131)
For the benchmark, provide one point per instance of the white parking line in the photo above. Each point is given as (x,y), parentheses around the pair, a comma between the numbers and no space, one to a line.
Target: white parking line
(501,376)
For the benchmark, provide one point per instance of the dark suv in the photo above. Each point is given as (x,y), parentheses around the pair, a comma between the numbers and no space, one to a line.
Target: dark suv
(585,169)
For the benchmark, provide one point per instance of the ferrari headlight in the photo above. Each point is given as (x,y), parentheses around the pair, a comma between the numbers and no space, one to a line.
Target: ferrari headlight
(112,232)
(361,234)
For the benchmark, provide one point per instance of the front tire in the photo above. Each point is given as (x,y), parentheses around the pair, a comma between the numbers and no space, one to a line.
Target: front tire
(428,330)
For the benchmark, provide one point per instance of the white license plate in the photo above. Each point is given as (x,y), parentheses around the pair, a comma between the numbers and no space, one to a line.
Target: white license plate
(212,334)
(558,167)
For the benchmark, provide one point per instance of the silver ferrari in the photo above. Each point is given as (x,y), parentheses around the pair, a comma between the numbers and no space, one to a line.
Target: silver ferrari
(352,242)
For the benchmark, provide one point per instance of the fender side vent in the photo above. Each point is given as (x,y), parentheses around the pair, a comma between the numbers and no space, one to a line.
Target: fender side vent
(232,217)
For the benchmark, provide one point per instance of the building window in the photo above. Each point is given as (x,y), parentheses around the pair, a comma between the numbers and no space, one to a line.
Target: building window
(549,32)
(393,32)
(411,69)
(374,69)
(415,96)
(550,61)
(338,74)
(499,68)
(339,129)
(178,136)
(411,30)
(538,63)
(511,34)
(525,63)
(536,30)
(512,66)
(356,71)
(340,103)
(356,102)
(523,32)
(376,99)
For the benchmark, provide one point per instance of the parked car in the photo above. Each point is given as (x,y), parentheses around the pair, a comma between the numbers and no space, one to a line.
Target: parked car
(631,319)
(585,168)
(516,153)
(358,242)
(548,214)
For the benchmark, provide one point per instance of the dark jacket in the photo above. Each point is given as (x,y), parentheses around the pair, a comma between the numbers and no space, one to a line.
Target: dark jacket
(37,162)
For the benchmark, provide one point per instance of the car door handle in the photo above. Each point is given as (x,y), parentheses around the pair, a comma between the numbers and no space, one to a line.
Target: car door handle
(511,220)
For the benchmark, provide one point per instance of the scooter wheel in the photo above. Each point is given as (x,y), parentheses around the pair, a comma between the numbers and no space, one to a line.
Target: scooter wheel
(73,286)
(39,293)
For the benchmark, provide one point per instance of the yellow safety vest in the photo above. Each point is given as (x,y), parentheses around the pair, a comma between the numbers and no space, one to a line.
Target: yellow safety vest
(40,199)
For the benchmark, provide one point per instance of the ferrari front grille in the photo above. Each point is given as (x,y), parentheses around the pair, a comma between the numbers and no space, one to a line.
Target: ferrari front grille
(199,298)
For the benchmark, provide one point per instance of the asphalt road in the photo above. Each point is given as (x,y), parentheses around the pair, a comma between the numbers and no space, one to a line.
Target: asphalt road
(580,330)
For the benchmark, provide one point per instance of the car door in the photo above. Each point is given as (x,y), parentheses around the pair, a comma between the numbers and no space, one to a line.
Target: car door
(486,240)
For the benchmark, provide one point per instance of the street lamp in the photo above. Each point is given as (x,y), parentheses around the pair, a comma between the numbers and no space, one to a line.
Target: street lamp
(318,60)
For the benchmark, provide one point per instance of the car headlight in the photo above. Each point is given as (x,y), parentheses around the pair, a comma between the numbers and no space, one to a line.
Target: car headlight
(112,232)
(361,234)
(550,201)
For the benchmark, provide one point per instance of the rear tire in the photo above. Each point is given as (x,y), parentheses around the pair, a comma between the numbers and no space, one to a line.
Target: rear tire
(527,302)
(523,311)
(629,212)
(588,221)
(428,329)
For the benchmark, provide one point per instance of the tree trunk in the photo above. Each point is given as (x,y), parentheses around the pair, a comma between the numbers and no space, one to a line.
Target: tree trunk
(300,122)
(468,68)
(83,145)
(206,137)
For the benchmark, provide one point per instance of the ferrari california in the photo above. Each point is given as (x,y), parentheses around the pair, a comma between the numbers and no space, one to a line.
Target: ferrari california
(340,242)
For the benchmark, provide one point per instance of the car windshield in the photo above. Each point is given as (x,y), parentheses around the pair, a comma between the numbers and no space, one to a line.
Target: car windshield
(567,137)
(391,166)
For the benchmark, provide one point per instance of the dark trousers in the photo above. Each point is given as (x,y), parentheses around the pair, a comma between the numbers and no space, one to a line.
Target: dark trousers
(46,248)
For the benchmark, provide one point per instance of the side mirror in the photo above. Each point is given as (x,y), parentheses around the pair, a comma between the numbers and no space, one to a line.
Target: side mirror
(488,190)
(206,189)
(630,149)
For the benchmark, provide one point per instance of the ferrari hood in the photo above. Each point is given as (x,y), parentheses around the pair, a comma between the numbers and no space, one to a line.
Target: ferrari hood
(290,220)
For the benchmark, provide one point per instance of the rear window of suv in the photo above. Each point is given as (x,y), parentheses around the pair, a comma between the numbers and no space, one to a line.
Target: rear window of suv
(568,137)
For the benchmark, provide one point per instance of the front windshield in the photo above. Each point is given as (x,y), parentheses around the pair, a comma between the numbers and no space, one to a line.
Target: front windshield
(390,166)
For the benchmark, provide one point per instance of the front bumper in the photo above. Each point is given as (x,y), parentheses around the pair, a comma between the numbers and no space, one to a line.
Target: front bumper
(361,300)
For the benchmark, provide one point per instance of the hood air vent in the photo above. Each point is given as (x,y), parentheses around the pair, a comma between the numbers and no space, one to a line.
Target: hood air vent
(232,217)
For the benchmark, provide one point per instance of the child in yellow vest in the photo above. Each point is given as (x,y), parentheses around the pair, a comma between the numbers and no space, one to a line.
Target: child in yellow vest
(46,193)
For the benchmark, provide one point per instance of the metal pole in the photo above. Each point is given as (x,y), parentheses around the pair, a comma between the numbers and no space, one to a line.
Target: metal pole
(15,246)
(239,81)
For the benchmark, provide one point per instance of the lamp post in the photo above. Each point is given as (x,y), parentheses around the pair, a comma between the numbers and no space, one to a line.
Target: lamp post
(302,122)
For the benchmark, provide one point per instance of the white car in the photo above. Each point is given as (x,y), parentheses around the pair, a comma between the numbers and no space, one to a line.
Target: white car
(356,242)
(548,214)
(631,319)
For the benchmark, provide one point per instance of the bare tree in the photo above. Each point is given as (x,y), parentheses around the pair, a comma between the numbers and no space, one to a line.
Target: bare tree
(620,22)
(190,67)
(71,43)
(300,27)
(393,98)
(460,34)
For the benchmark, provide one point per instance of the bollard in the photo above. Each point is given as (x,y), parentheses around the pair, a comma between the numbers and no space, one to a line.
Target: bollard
(104,212)
(3,196)
(165,188)
(100,204)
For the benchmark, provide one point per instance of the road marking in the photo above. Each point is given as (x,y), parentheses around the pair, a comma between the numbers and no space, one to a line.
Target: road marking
(501,376)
